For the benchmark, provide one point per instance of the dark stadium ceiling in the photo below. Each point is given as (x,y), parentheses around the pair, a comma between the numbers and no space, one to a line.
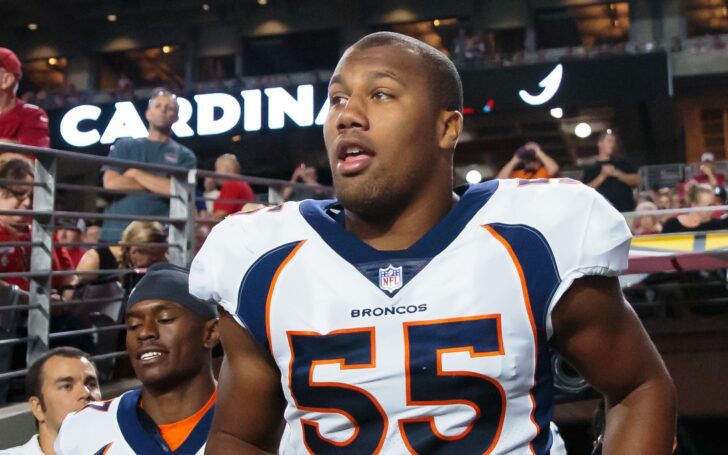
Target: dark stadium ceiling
(75,17)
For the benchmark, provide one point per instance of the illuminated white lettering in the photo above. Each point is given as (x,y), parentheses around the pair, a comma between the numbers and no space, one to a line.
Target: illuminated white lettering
(550,84)
(253,110)
(206,104)
(181,127)
(124,123)
(281,103)
(323,113)
(69,126)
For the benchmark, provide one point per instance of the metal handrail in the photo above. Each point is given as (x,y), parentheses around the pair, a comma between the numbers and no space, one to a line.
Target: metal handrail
(99,216)
(181,222)
(103,160)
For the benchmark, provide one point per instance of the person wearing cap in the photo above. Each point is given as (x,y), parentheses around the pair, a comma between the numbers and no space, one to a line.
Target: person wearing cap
(20,122)
(708,173)
(70,231)
(170,336)
(612,176)
(157,148)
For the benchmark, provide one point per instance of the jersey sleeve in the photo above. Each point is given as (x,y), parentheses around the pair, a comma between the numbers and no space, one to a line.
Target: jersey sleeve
(218,268)
(64,443)
(601,248)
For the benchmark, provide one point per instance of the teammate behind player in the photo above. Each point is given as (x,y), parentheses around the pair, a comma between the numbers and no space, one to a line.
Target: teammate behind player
(61,381)
(407,318)
(170,336)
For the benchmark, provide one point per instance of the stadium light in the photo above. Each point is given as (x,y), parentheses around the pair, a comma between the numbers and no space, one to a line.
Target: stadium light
(557,112)
(473,176)
(583,130)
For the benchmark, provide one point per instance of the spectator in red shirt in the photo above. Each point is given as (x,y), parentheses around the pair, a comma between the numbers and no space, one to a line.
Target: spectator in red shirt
(20,123)
(707,172)
(234,194)
(71,231)
(16,228)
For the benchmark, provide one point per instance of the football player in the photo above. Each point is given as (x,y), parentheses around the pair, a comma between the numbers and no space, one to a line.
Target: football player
(61,381)
(170,336)
(404,317)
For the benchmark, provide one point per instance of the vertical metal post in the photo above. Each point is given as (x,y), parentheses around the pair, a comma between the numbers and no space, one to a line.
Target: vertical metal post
(41,256)
(181,205)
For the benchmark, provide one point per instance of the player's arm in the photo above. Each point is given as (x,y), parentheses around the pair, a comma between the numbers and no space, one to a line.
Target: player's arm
(249,409)
(150,182)
(116,181)
(597,331)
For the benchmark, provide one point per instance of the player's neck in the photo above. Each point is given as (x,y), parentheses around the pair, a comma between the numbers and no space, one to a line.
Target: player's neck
(158,135)
(7,101)
(406,227)
(180,402)
(46,438)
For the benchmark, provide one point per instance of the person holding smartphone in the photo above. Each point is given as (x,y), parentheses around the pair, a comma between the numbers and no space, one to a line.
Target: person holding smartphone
(529,162)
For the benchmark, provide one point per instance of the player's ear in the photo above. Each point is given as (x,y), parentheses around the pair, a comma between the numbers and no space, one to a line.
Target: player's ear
(212,335)
(36,408)
(451,126)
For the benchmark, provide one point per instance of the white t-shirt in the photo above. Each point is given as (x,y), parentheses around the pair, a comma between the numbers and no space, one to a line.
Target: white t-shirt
(32,447)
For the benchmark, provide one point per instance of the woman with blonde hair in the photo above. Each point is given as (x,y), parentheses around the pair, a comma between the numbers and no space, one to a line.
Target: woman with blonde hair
(139,248)
(700,195)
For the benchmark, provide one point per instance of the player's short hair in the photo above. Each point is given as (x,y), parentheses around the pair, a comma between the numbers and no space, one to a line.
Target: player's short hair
(447,87)
(161,91)
(34,377)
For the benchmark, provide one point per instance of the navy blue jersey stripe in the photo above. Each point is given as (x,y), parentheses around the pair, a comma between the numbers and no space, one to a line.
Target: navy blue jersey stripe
(542,279)
(254,289)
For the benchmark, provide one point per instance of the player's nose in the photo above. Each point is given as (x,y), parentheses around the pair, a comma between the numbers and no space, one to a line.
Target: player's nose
(353,115)
(148,330)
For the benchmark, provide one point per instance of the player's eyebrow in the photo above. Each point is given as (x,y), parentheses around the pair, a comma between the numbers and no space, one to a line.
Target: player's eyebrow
(371,75)
(64,379)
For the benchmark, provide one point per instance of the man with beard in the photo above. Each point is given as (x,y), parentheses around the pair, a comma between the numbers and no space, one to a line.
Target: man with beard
(170,336)
(404,317)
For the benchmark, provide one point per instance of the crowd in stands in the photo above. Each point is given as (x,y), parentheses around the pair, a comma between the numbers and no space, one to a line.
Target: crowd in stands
(122,251)
(467,49)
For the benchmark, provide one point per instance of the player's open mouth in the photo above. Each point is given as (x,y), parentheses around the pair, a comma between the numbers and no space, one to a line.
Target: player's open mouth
(353,158)
(150,356)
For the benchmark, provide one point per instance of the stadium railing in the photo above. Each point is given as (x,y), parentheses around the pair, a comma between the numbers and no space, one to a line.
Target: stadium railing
(40,303)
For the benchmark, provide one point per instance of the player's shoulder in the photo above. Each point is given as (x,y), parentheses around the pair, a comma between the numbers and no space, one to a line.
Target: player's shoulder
(556,195)
(558,206)
(95,411)
(261,228)
(94,422)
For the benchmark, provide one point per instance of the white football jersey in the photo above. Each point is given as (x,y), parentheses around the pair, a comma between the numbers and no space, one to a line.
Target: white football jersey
(438,348)
(113,427)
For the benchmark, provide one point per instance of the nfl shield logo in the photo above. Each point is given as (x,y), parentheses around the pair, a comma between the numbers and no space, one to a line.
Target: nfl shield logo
(390,278)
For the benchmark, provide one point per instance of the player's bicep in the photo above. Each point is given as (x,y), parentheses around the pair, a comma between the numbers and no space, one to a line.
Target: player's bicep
(250,402)
(597,331)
